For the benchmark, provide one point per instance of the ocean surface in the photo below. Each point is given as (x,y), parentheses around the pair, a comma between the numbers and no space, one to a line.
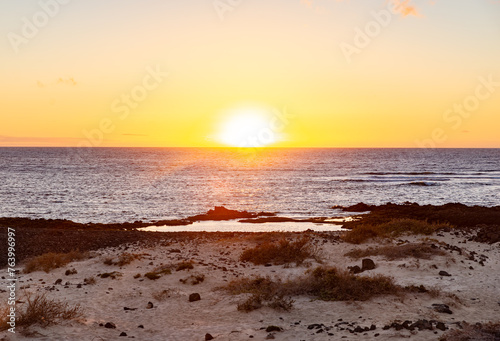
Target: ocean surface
(129,184)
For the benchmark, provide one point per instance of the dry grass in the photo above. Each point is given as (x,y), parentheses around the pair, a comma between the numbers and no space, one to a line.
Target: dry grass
(112,275)
(421,289)
(328,284)
(479,332)
(158,272)
(162,295)
(282,252)
(4,311)
(193,279)
(50,261)
(393,228)
(392,252)
(123,259)
(38,309)
(90,281)
(331,284)
(184,266)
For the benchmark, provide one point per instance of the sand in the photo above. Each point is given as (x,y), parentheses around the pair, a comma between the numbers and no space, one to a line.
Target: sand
(476,294)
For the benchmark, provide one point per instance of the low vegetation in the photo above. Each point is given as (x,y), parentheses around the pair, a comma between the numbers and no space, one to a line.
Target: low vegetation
(325,283)
(4,311)
(112,275)
(40,310)
(50,261)
(282,252)
(331,284)
(393,252)
(162,295)
(394,228)
(90,280)
(123,259)
(158,272)
(487,331)
(184,266)
(193,279)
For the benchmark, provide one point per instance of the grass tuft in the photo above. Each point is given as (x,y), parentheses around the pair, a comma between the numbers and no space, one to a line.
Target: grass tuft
(38,309)
(324,283)
(393,228)
(488,332)
(282,252)
(184,266)
(123,259)
(162,295)
(50,261)
(392,252)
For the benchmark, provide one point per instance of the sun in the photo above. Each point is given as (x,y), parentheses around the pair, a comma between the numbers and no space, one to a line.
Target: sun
(248,127)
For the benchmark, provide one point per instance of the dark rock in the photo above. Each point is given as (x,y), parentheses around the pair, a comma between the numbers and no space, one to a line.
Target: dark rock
(194,297)
(422,325)
(407,324)
(110,325)
(358,329)
(367,264)
(441,326)
(148,306)
(397,326)
(70,272)
(442,308)
(314,326)
(140,326)
(79,286)
(273,329)
(373,327)
(58,281)
(354,269)
(444,273)
(123,334)
(208,337)
(126,308)
(270,337)
(222,213)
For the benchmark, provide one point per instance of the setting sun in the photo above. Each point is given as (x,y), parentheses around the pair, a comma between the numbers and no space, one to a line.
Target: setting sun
(248,127)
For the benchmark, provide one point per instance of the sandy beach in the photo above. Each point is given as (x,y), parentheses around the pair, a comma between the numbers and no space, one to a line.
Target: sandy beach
(126,305)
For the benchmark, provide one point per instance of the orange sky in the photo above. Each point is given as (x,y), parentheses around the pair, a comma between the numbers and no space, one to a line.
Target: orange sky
(315,73)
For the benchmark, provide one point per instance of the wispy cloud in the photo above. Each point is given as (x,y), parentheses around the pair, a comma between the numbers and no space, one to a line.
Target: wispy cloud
(405,8)
(60,81)
(38,141)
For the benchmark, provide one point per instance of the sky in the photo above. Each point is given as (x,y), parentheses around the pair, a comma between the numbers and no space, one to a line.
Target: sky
(250,73)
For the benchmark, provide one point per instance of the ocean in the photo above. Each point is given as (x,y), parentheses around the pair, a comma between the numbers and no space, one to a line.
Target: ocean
(130,184)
